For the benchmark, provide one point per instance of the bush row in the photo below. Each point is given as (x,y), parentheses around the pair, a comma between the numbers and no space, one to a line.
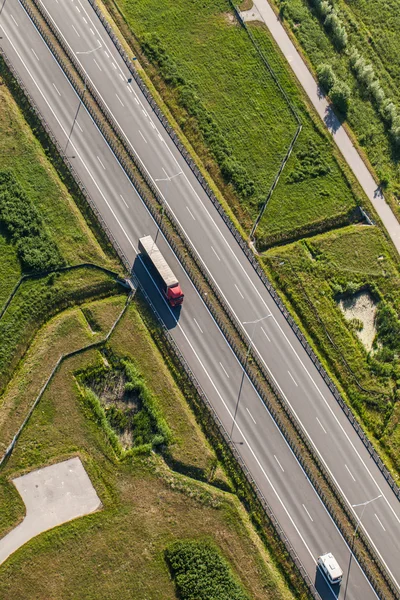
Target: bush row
(201,572)
(329,17)
(365,75)
(22,222)
(363,71)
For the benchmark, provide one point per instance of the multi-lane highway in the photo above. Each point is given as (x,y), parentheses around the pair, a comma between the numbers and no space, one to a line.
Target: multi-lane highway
(277,473)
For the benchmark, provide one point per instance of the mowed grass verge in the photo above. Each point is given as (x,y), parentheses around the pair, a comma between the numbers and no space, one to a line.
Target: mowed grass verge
(212,55)
(119,551)
(313,276)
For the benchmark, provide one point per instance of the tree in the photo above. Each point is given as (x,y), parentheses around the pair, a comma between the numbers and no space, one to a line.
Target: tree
(340,96)
(326,77)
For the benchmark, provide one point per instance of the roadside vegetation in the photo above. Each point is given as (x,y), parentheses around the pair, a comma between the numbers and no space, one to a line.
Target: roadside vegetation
(368,65)
(121,550)
(345,285)
(230,108)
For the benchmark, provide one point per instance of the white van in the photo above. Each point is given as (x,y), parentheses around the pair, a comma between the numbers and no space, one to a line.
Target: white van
(330,567)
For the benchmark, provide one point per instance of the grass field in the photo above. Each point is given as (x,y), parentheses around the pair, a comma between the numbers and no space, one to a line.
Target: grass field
(212,56)
(119,551)
(312,276)
(371,27)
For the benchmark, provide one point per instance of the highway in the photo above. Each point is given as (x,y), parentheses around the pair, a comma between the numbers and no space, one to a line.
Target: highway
(262,447)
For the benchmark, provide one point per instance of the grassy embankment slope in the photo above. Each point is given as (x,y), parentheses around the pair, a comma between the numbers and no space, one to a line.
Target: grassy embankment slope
(205,48)
(371,27)
(58,217)
(119,551)
(222,95)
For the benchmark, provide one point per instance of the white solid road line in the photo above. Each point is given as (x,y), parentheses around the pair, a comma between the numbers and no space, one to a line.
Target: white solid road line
(264,332)
(215,253)
(283,470)
(251,416)
(201,331)
(379,521)
(173,316)
(311,519)
(224,370)
(258,293)
(293,379)
(350,473)
(239,291)
(322,427)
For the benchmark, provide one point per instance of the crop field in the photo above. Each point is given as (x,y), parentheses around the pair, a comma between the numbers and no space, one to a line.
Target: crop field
(314,276)
(371,28)
(120,550)
(207,59)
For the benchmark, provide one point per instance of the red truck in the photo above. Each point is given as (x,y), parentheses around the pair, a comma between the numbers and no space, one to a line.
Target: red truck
(168,282)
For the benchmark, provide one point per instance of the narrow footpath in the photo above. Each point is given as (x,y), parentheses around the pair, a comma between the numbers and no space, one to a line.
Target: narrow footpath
(262,11)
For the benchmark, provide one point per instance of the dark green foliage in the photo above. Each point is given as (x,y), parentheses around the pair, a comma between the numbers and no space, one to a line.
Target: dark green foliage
(340,96)
(326,77)
(22,222)
(388,328)
(202,573)
(308,164)
(130,406)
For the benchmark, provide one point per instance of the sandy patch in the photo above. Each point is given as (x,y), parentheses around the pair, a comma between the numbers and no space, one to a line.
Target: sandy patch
(361,306)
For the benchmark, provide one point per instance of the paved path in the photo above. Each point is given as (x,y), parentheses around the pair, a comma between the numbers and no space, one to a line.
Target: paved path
(262,11)
(52,496)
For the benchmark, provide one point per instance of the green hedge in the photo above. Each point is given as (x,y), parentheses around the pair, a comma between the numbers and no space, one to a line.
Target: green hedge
(202,573)
(21,220)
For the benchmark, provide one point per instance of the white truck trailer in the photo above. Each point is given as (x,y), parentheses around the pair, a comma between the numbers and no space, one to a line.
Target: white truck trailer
(166,279)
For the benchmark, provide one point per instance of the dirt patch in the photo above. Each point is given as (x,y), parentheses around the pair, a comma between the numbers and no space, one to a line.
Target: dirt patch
(229,18)
(360,309)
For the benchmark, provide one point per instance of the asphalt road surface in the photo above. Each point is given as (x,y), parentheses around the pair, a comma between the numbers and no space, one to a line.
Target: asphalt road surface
(276,471)
(262,11)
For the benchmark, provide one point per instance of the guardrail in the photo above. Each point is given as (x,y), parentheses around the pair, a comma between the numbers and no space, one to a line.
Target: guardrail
(275,523)
(239,352)
(248,252)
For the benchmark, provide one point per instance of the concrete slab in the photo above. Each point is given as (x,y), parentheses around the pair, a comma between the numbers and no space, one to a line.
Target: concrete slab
(52,496)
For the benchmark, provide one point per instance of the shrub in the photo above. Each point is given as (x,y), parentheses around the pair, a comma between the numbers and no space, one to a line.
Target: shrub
(22,222)
(326,77)
(340,96)
(201,572)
